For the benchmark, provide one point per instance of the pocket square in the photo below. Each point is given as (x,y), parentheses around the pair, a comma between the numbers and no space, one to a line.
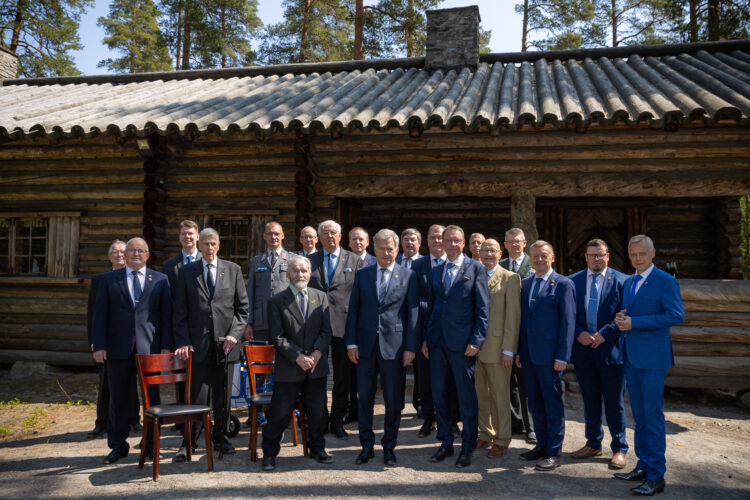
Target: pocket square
(348,270)
(466,278)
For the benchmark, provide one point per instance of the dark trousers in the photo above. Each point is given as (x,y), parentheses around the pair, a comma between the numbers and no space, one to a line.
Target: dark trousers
(283,402)
(443,364)
(425,387)
(602,383)
(415,399)
(392,374)
(121,373)
(343,372)
(102,399)
(544,389)
(519,403)
(210,382)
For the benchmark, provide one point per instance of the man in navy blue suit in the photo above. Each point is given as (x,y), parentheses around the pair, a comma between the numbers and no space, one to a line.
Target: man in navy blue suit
(651,305)
(548,314)
(411,240)
(597,353)
(382,337)
(455,333)
(359,239)
(133,314)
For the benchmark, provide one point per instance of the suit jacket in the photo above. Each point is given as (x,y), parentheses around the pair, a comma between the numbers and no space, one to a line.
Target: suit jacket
(400,260)
(394,320)
(95,280)
(505,316)
(305,254)
(172,266)
(461,315)
(293,335)
(122,328)
(339,289)
(655,309)
(263,282)
(422,267)
(199,318)
(547,324)
(524,271)
(610,296)
(369,260)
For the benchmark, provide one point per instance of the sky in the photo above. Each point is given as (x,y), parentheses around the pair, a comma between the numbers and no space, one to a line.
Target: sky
(497,15)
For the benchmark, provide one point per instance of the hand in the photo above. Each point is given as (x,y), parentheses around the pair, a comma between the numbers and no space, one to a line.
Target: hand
(316,356)
(165,351)
(585,338)
(353,354)
(248,334)
(425,351)
(518,362)
(471,350)
(304,362)
(623,322)
(100,356)
(229,342)
(182,352)
(598,340)
(408,357)
(506,361)
(560,366)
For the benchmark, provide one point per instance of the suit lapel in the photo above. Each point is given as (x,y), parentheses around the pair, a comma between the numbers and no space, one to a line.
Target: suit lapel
(200,278)
(148,284)
(494,279)
(294,306)
(393,284)
(581,292)
(123,282)
(460,274)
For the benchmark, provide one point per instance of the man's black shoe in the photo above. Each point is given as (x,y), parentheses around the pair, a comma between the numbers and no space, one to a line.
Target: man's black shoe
(115,455)
(365,455)
(99,430)
(339,432)
(441,453)
(534,454)
(455,430)
(321,457)
(389,457)
(649,487)
(427,427)
(269,463)
(633,475)
(548,463)
(464,459)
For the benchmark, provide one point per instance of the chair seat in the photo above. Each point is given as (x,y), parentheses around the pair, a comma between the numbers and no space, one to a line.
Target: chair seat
(175,410)
(262,398)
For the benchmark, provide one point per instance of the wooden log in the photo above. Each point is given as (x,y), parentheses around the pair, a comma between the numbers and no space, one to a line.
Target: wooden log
(523,213)
(39,194)
(46,344)
(709,349)
(698,366)
(67,358)
(700,318)
(715,290)
(43,306)
(73,152)
(44,330)
(707,305)
(707,382)
(722,334)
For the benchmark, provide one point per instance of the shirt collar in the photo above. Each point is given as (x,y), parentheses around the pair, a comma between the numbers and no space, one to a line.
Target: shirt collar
(194,255)
(459,260)
(129,270)
(206,263)
(390,268)
(441,258)
(492,271)
(335,253)
(363,256)
(645,273)
(546,275)
(294,289)
(590,273)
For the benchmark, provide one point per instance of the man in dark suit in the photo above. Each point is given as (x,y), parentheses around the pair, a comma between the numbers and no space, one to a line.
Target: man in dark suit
(309,239)
(359,240)
(265,278)
(333,273)
(518,262)
(411,240)
(116,254)
(382,337)
(132,314)
(455,333)
(597,353)
(548,316)
(210,304)
(651,305)
(475,244)
(300,329)
(188,253)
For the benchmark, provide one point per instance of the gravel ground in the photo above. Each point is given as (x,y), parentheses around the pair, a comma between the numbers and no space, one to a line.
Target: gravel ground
(44,453)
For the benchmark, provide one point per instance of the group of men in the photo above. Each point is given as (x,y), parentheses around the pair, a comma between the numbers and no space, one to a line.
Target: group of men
(485,335)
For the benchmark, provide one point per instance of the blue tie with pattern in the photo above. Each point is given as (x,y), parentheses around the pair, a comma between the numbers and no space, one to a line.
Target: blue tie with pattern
(331,268)
(535,289)
(636,279)
(593,304)
(137,290)
(448,278)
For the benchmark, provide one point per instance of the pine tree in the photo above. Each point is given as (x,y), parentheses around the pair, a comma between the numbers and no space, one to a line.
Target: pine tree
(132,30)
(223,37)
(701,20)
(42,33)
(559,24)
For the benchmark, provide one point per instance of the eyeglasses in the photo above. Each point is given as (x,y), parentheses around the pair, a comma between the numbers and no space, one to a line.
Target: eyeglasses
(329,233)
(117,252)
(137,251)
(453,241)
(514,242)
(596,256)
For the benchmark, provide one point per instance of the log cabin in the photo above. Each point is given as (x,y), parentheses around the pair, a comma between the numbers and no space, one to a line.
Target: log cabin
(568,145)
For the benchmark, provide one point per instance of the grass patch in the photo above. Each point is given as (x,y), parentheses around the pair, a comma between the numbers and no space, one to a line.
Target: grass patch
(4,431)
(36,420)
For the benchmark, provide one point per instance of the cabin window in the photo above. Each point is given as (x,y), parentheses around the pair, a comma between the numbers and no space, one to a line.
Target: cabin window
(39,244)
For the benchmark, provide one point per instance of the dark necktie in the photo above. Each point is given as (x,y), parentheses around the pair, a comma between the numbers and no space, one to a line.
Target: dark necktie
(137,290)
(302,296)
(383,285)
(210,280)
(636,279)
(331,268)
(406,262)
(514,267)
(273,259)
(535,289)
(188,259)
(593,304)
(448,279)
(437,261)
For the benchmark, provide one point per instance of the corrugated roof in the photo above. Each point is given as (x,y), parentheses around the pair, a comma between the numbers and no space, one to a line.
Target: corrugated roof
(657,91)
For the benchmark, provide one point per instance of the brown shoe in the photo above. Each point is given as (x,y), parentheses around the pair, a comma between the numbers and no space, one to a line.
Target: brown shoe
(482,444)
(496,451)
(618,461)
(586,452)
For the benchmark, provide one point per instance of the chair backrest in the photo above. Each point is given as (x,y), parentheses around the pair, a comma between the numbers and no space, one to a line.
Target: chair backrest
(158,369)
(260,359)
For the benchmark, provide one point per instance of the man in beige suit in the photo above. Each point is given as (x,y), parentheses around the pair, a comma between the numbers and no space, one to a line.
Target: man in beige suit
(495,359)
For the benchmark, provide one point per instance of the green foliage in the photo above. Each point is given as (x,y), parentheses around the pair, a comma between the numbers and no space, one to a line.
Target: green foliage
(223,37)
(132,30)
(731,23)
(11,403)
(561,24)
(35,421)
(400,25)
(43,33)
(4,431)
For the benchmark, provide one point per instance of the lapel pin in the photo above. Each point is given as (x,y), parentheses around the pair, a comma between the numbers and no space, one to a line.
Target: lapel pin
(313,301)
(221,275)
(395,276)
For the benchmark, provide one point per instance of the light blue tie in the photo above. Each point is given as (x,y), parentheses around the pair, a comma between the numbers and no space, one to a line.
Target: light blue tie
(383,285)
(331,268)
(188,259)
(593,304)
(448,279)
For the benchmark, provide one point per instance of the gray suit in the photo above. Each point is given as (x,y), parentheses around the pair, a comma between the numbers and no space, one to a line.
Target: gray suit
(294,335)
(263,282)
(200,319)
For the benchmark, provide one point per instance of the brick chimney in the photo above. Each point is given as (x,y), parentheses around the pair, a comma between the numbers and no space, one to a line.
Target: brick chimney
(453,37)
(8,64)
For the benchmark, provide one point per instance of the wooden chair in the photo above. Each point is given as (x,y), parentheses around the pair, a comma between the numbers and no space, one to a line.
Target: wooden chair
(158,369)
(260,359)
